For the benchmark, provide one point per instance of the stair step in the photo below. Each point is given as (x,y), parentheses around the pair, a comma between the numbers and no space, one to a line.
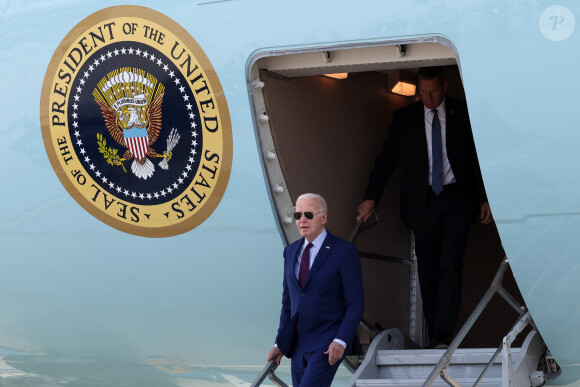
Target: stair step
(384,367)
(432,356)
(423,372)
(488,382)
(418,364)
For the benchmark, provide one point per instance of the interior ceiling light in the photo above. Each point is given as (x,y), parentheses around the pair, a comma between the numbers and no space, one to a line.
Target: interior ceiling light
(402,83)
(337,75)
(404,88)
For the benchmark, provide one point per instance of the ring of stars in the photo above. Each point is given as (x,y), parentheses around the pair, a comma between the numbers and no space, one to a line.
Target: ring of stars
(193,127)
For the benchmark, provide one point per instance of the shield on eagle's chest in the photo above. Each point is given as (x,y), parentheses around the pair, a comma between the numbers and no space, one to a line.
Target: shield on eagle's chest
(137,141)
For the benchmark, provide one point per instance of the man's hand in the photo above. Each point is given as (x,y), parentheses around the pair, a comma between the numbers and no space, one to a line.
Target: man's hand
(334,352)
(365,210)
(275,353)
(485,215)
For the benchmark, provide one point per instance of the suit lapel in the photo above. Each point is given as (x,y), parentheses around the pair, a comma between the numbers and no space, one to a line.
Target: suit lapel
(293,252)
(420,136)
(324,251)
(449,120)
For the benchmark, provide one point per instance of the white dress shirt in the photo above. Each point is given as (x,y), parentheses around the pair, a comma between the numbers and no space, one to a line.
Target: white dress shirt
(316,245)
(448,176)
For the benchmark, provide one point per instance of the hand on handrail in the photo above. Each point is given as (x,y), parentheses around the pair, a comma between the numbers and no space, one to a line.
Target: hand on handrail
(370,223)
(365,210)
(268,372)
(275,355)
(363,218)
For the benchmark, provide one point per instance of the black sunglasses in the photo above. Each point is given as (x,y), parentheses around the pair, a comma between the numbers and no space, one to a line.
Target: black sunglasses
(309,215)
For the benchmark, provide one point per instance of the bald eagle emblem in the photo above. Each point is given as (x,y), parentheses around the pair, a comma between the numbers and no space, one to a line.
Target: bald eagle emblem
(130,102)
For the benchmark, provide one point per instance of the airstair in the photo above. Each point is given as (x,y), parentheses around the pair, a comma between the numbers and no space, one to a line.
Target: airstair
(413,367)
(388,363)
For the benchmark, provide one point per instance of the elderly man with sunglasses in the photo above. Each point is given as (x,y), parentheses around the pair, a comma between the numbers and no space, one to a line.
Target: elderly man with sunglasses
(322,299)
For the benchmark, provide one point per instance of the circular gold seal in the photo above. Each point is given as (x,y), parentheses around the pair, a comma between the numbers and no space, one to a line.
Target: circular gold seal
(135,122)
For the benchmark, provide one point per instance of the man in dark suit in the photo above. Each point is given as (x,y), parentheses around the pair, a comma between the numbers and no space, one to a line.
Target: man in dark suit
(322,299)
(441,195)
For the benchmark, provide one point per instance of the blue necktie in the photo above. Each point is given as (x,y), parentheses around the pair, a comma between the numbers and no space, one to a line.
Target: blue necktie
(437,173)
(304,265)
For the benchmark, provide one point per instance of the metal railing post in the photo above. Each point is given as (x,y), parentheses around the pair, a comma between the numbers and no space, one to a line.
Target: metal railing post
(268,371)
(516,329)
(446,358)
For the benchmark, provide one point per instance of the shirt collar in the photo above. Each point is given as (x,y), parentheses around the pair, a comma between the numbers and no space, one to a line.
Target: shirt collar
(440,108)
(317,242)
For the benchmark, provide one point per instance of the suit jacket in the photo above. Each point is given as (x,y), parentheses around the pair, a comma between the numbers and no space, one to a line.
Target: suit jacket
(331,303)
(407,140)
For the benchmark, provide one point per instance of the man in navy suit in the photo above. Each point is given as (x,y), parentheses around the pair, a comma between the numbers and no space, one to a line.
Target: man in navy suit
(441,196)
(322,299)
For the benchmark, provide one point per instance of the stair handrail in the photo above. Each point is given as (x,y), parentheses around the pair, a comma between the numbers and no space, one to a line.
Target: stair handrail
(495,287)
(359,227)
(363,226)
(505,346)
(268,371)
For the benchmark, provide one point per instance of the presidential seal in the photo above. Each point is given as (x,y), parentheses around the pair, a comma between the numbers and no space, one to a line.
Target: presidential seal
(135,122)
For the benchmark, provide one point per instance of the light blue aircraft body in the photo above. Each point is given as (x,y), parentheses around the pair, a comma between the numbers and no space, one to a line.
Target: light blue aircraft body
(85,303)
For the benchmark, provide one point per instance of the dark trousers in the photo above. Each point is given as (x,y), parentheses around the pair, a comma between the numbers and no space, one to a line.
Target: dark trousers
(440,244)
(311,368)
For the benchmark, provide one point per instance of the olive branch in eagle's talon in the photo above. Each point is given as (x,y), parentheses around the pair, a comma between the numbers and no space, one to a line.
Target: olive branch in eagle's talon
(110,154)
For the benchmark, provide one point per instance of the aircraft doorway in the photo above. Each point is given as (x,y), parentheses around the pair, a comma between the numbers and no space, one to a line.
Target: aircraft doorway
(321,134)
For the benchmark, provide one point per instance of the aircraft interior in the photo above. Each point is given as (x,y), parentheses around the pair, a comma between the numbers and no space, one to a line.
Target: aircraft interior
(321,134)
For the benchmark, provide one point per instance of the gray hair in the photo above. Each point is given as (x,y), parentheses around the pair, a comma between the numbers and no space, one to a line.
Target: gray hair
(321,201)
